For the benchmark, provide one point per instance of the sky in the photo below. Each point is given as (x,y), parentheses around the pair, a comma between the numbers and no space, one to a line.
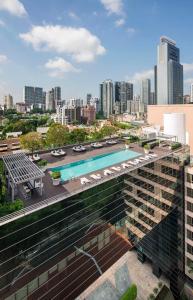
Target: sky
(76,44)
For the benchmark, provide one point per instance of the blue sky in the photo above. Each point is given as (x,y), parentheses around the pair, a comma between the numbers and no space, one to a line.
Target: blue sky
(78,43)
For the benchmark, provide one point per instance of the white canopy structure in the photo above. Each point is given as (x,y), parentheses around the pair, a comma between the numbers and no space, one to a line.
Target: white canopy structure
(21,169)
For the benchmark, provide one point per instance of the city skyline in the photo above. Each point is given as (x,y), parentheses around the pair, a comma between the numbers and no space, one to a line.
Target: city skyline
(31,54)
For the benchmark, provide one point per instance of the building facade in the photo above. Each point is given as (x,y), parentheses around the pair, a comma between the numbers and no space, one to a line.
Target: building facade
(66,115)
(123,93)
(107,98)
(33,96)
(8,102)
(169,73)
(146,92)
(88,114)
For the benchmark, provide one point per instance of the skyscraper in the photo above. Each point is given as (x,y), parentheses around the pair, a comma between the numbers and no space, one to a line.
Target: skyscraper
(191,92)
(8,102)
(57,95)
(50,103)
(88,98)
(106,97)
(123,93)
(169,73)
(33,96)
(146,91)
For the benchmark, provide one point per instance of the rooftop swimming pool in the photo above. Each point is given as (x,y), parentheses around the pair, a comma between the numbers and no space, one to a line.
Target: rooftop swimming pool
(82,167)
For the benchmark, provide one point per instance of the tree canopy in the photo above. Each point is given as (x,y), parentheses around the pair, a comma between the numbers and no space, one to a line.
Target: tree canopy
(31,141)
(57,135)
(108,130)
(78,135)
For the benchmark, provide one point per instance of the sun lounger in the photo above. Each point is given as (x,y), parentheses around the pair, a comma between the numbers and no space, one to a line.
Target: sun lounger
(61,152)
(55,153)
(84,180)
(153,155)
(36,157)
(108,172)
(118,169)
(124,165)
(132,162)
(96,176)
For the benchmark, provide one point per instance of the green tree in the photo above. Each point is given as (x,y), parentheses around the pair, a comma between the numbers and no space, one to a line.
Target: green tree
(78,135)
(57,135)
(131,293)
(108,130)
(31,141)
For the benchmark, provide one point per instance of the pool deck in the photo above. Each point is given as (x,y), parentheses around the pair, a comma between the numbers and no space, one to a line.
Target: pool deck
(53,194)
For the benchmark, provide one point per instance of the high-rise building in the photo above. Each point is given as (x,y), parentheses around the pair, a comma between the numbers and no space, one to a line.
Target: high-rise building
(155,84)
(66,115)
(57,95)
(50,103)
(8,102)
(169,73)
(146,91)
(88,98)
(33,96)
(74,102)
(191,92)
(123,93)
(88,114)
(107,97)
(94,101)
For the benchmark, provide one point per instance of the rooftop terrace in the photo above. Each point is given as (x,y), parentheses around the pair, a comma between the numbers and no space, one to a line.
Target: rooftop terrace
(53,194)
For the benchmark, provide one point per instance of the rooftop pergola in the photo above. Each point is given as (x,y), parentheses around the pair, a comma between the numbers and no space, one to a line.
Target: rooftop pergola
(21,169)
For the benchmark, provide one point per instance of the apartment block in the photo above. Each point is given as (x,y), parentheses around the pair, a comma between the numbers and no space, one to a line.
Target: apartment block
(154,201)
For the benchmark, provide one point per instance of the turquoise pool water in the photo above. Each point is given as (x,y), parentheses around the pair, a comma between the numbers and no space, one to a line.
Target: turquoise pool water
(82,167)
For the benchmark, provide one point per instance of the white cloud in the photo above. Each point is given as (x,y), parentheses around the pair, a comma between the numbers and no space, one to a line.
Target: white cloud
(188,67)
(73,16)
(80,43)
(113,6)
(58,67)
(120,22)
(3,58)
(131,31)
(138,76)
(14,7)
(2,23)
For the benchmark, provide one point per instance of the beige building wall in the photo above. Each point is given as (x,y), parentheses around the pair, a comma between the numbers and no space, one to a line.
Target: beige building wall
(155,117)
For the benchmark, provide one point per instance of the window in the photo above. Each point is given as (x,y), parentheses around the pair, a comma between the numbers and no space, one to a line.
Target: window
(189,178)
(189,192)
(190,235)
(189,249)
(189,220)
(189,206)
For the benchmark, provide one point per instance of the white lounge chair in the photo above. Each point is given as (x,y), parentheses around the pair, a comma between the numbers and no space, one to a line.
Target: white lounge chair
(36,157)
(61,152)
(153,155)
(108,172)
(55,153)
(84,180)
(124,165)
(96,145)
(132,162)
(79,148)
(96,176)
(118,169)
(111,142)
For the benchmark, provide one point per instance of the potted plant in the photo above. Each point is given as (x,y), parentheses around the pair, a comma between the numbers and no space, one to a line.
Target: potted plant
(55,177)
(42,164)
(146,148)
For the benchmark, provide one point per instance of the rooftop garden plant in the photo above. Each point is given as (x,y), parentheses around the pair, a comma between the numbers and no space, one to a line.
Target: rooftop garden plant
(55,175)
